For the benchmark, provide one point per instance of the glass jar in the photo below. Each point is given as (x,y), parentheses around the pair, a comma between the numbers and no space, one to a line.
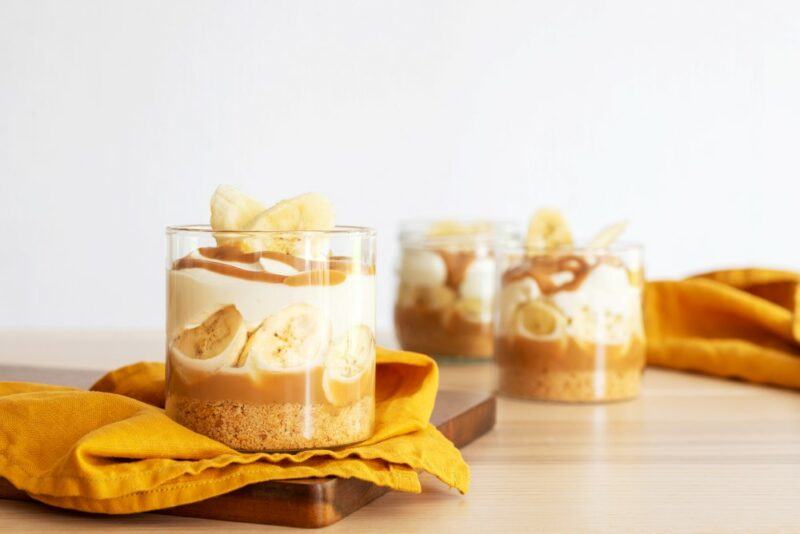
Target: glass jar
(569,323)
(446,283)
(270,336)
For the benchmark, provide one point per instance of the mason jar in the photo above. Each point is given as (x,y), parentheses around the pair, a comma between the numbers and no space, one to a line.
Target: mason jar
(569,323)
(446,285)
(270,336)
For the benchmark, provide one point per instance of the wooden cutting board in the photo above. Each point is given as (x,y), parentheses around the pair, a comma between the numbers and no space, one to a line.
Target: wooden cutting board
(310,503)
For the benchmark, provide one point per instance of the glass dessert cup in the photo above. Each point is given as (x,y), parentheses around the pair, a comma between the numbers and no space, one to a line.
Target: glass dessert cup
(569,323)
(446,283)
(272,351)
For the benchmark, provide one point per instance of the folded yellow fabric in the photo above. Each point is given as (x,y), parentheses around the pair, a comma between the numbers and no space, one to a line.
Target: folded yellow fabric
(110,451)
(742,323)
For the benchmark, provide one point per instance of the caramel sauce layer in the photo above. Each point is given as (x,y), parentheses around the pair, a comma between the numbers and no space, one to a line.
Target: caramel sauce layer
(542,269)
(263,387)
(457,264)
(567,355)
(311,272)
(443,332)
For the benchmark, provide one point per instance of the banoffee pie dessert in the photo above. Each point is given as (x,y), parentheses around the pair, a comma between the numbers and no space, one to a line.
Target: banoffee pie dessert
(446,286)
(270,325)
(570,317)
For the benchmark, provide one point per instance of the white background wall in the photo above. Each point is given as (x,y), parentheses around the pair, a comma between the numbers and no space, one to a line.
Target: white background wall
(118,118)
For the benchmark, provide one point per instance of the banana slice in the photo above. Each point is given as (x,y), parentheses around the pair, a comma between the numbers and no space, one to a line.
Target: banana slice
(296,337)
(310,211)
(474,310)
(540,321)
(608,235)
(548,229)
(512,296)
(233,210)
(346,379)
(215,344)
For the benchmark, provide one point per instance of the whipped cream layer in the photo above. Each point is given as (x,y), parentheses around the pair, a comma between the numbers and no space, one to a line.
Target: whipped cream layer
(605,307)
(478,282)
(194,293)
(424,268)
(605,289)
(469,275)
(428,268)
(599,302)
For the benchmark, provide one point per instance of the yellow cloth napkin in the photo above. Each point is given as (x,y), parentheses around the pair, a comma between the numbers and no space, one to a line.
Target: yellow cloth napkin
(104,451)
(742,323)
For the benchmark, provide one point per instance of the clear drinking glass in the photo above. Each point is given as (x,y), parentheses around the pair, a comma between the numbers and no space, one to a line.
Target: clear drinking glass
(446,284)
(569,323)
(270,336)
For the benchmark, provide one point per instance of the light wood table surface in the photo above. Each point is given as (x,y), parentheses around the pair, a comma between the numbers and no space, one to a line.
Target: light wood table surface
(692,454)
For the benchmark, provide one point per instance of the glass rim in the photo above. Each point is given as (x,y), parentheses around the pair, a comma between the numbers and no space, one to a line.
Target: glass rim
(407,226)
(617,247)
(338,230)
(467,220)
(414,231)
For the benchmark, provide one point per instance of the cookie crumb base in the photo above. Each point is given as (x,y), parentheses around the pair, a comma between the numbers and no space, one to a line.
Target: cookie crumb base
(578,386)
(274,427)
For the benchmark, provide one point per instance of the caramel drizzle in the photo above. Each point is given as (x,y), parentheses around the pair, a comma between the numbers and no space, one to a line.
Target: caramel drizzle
(542,269)
(457,264)
(312,272)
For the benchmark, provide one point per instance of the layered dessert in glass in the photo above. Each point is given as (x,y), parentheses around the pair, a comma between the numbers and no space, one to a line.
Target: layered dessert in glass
(270,325)
(570,322)
(446,283)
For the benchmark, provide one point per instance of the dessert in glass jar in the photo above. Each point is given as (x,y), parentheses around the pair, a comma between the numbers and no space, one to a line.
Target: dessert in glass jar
(570,322)
(446,287)
(270,325)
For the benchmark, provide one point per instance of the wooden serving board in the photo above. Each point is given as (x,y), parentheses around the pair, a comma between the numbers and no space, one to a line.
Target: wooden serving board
(309,503)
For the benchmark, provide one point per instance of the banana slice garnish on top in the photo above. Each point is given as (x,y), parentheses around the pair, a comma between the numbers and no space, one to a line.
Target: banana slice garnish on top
(232,210)
(348,365)
(608,235)
(296,337)
(310,211)
(214,344)
(548,229)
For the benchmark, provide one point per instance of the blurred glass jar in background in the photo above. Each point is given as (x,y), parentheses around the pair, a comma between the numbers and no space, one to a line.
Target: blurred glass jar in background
(569,323)
(446,283)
